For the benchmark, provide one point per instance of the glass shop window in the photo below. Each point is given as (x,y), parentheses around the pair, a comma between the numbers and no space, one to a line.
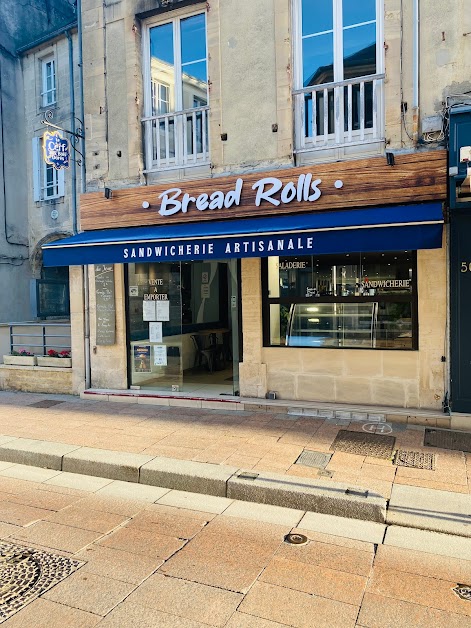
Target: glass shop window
(354,300)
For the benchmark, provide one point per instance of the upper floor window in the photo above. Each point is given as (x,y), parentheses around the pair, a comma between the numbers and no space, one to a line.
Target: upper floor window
(338,80)
(48,81)
(48,183)
(176,98)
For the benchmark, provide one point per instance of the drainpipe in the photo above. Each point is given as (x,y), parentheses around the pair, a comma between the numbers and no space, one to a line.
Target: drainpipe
(72,128)
(83,188)
(416,70)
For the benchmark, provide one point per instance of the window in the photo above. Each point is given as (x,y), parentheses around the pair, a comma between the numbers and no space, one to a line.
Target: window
(48,183)
(353,300)
(176,97)
(48,73)
(338,72)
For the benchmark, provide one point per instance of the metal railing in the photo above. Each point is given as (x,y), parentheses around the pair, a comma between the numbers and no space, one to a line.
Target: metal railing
(344,113)
(177,139)
(20,336)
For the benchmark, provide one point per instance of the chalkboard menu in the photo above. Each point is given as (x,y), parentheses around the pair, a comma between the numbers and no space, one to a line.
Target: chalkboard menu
(105,305)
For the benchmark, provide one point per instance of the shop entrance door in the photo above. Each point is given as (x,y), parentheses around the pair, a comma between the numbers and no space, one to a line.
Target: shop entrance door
(183,327)
(460,275)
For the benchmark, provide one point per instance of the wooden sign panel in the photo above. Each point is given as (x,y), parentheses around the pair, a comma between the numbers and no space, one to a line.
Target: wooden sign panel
(344,185)
(105,305)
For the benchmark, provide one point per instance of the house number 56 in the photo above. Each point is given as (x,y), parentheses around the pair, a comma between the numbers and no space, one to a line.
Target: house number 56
(466,267)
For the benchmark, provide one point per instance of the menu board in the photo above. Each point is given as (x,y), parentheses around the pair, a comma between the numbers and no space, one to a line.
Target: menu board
(105,304)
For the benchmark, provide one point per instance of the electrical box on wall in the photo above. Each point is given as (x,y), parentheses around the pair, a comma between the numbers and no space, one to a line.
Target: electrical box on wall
(459,156)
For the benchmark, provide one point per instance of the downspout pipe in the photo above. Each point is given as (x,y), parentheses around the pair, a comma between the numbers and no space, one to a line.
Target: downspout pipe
(416,69)
(72,128)
(83,189)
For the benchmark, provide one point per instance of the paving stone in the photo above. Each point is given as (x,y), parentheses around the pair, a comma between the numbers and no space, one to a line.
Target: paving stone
(378,611)
(103,463)
(43,499)
(433,542)
(228,553)
(185,475)
(242,620)
(145,542)
(166,520)
(118,564)
(128,615)
(90,593)
(411,588)
(440,511)
(78,481)
(127,490)
(21,515)
(31,474)
(297,609)
(316,580)
(116,505)
(87,519)
(57,536)
(351,528)
(37,453)
(195,501)
(187,599)
(43,613)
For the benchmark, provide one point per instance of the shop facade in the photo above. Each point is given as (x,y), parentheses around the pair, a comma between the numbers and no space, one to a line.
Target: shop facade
(322,283)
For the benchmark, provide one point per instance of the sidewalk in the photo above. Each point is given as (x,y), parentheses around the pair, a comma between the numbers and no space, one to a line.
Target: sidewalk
(253,441)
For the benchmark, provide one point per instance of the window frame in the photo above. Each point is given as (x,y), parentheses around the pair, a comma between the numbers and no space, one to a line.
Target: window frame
(40,169)
(146,64)
(411,298)
(45,61)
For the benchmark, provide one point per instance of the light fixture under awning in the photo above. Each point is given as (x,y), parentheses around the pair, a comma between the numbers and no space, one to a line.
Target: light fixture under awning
(403,227)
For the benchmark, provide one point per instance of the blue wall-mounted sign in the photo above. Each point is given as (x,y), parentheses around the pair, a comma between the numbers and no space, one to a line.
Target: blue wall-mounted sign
(56,150)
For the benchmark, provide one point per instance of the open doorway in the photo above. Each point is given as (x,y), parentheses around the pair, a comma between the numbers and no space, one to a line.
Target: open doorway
(183,327)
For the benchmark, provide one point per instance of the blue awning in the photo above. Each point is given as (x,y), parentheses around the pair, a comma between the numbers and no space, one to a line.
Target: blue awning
(404,227)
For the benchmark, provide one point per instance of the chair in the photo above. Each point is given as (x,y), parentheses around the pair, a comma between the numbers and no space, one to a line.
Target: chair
(203,353)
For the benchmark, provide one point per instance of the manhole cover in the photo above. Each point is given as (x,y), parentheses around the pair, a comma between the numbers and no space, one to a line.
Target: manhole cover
(26,573)
(296,539)
(415,459)
(45,403)
(447,439)
(364,444)
(463,591)
(317,459)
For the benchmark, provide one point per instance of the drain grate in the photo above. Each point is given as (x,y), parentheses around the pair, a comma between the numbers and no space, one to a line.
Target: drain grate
(317,459)
(415,459)
(364,444)
(26,573)
(447,439)
(45,403)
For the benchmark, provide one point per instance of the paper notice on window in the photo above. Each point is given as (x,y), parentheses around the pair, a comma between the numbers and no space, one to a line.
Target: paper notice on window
(205,293)
(160,355)
(148,311)
(155,332)
(162,310)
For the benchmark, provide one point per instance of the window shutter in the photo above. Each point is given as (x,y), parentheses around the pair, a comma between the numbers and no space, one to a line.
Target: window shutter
(37,169)
(61,182)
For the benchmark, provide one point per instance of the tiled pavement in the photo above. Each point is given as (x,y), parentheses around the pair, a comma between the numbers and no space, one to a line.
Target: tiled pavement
(166,559)
(248,440)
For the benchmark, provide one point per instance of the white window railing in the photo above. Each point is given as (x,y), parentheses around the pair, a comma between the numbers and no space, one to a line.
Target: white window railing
(345,113)
(177,139)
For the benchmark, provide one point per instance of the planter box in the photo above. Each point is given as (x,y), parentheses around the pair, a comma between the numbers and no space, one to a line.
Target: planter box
(20,360)
(46,360)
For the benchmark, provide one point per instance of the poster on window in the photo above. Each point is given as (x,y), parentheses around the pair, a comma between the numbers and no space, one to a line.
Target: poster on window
(155,332)
(148,311)
(142,359)
(160,355)
(162,311)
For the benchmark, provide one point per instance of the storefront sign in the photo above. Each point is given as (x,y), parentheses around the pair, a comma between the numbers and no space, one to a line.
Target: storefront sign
(105,305)
(351,184)
(56,150)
